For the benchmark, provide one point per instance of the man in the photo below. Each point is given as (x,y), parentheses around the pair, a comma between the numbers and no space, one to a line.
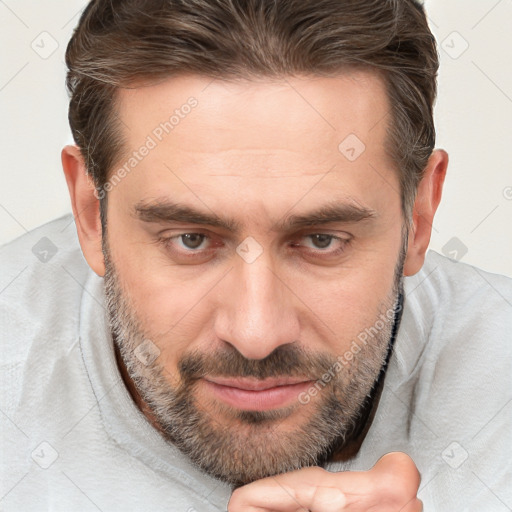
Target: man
(254,324)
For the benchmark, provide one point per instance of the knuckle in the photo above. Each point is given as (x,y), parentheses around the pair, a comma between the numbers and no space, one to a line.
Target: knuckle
(314,474)
(235,501)
(400,480)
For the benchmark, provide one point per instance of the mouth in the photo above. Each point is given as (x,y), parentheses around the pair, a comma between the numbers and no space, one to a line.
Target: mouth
(250,394)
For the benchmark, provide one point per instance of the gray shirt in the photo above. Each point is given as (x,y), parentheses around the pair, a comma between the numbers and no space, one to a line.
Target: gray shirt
(73,439)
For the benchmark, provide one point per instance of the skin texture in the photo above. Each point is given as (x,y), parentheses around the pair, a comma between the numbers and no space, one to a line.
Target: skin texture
(257,153)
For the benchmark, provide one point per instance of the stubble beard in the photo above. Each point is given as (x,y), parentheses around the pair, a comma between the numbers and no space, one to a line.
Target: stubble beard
(235,446)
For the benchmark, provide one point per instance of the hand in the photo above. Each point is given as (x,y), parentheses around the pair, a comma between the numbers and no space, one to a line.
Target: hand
(390,486)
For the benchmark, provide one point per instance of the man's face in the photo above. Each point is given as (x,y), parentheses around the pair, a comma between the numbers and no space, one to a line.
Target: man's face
(253,250)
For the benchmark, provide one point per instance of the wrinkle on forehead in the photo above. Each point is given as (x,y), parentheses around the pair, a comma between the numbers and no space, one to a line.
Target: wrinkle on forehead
(266,143)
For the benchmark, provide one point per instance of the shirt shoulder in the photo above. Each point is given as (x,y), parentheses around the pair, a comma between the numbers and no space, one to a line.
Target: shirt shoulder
(450,280)
(456,327)
(40,269)
(457,387)
(41,290)
(452,301)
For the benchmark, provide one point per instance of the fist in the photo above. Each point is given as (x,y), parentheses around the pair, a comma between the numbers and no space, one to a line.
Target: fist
(390,486)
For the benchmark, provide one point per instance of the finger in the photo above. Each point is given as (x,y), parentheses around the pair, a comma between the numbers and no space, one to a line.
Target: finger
(311,489)
(396,470)
(390,486)
(413,505)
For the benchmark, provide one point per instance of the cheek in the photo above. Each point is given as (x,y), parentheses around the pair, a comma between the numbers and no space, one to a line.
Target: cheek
(350,302)
(172,306)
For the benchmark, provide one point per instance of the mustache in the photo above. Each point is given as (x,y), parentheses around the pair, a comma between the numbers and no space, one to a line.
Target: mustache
(286,360)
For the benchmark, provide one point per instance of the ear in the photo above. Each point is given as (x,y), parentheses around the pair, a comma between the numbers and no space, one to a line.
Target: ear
(427,200)
(86,207)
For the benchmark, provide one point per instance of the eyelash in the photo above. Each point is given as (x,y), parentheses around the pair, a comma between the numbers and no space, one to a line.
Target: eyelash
(192,254)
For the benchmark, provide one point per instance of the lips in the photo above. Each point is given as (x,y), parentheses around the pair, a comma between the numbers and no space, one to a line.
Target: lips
(252,394)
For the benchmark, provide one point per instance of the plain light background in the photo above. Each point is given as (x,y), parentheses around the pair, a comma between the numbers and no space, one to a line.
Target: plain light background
(473,120)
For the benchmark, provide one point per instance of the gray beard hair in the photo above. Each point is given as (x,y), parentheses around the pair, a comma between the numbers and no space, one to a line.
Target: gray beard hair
(251,445)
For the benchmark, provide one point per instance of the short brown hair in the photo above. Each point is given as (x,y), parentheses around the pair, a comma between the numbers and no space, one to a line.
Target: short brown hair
(118,43)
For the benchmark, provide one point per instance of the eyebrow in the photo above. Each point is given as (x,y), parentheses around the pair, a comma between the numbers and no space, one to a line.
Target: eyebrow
(332,212)
(166,211)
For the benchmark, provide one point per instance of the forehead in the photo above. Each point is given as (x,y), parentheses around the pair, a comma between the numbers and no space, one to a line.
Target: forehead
(292,106)
(209,132)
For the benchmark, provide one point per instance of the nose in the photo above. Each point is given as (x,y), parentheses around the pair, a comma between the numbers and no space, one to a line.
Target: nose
(256,313)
